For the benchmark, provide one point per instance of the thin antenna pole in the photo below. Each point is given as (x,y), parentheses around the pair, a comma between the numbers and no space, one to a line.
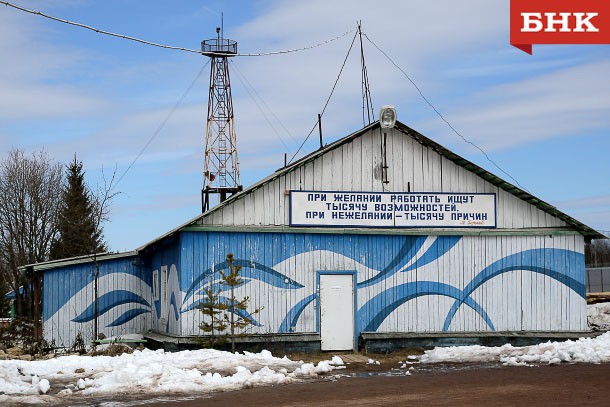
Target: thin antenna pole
(320,129)
(367,103)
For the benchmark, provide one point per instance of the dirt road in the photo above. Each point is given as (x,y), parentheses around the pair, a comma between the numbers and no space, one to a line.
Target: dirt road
(563,385)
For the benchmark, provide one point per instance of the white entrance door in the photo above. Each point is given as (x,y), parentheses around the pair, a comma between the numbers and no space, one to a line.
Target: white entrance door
(337,311)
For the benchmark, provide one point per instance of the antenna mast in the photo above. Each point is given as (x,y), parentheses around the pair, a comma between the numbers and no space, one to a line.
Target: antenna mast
(367,104)
(221,165)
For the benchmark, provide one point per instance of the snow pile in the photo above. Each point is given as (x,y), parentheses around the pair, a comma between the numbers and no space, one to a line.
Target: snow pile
(598,316)
(583,350)
(336,361)
(146,371)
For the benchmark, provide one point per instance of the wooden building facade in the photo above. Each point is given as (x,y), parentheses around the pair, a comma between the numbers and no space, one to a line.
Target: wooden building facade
(381,232)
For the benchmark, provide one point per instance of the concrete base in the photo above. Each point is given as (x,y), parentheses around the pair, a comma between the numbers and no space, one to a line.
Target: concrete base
(369,342)
(276,343)
(374,342)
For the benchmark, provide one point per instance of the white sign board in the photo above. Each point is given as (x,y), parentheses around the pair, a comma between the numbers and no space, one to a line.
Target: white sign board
(392,209)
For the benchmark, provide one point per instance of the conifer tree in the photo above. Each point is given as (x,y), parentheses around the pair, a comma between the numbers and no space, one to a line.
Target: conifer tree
(79,223)
(234,311)
(214,325)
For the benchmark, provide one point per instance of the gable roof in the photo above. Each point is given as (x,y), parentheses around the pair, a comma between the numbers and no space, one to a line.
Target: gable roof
(460,161)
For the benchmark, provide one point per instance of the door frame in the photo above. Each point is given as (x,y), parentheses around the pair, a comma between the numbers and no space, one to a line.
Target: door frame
(354,275)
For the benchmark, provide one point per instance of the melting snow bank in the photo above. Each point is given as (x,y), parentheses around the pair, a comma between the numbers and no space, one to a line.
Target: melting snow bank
(583,350)
(146,371)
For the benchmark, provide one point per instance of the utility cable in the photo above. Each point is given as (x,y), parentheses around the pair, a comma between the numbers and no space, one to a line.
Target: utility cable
(164,122)
(248,86)
(154,44)
(441,116)
(327,100)
(261,54)
(367,102)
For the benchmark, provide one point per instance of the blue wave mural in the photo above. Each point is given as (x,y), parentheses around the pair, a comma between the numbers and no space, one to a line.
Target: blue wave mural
(563,266)
(128,316)
(536,261)
(440,246)
(109,301)
(225,301)
(250,271)
(384,255)
(408,250)
(376,310)
(290,321)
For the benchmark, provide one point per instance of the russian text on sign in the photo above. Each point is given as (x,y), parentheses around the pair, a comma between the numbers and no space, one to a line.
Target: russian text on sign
(388,209)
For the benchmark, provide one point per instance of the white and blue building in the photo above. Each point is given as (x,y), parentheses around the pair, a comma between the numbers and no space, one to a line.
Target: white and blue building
(383,235)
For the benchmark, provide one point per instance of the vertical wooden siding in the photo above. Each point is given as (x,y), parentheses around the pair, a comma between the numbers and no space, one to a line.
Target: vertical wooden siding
(351,167)
(280,270)
(167,256)
(69,298)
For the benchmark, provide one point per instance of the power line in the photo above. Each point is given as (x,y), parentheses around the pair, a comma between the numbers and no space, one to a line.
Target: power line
(97,30)
(154,44)
(441,116)
(329,96)
(260,54)
(160,127)
(254,95)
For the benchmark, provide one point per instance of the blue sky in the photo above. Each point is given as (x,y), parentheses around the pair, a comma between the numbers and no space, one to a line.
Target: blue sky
(544,118)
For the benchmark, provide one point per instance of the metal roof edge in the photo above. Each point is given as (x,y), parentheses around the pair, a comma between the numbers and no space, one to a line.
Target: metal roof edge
(51,264)
(172,231)
(501,183)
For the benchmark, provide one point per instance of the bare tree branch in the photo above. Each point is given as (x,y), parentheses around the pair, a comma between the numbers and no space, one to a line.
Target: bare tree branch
(30,187)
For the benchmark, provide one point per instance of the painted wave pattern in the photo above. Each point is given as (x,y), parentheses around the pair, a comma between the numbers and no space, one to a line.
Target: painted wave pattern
(250,270)
(372,314)
(119,310)
(535,261)
(111,300)
(414,252)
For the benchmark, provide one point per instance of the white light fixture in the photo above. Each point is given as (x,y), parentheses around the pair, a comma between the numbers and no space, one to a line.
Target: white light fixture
(387,117)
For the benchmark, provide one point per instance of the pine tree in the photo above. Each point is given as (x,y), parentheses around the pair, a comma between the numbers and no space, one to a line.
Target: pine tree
(79,230)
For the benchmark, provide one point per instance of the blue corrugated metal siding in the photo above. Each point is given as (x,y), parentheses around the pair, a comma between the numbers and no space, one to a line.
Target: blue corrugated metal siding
(405,283)
(124,300)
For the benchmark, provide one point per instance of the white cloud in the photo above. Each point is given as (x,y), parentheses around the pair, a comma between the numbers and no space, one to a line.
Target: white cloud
(31,74)
(566,102)
(602,201)
(104,98)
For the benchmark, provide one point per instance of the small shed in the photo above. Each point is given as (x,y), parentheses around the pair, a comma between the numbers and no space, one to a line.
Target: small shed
(383,236)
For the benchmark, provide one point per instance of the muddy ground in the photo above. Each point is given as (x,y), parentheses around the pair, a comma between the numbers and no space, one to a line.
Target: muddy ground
(563,385)
(393,383)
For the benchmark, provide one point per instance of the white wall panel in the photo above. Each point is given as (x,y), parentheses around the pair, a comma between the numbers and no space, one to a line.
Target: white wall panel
(515,295)
(356,166)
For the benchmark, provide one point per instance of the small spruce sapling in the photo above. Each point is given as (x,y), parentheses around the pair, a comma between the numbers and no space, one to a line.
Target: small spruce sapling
(212,308)
(235,316)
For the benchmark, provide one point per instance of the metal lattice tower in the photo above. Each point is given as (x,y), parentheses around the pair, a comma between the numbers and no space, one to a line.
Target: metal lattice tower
(221,165)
